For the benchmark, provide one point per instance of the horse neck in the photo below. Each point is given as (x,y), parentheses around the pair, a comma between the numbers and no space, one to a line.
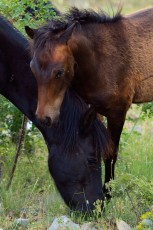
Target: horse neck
(85,51)
(16,78)
(98,56)
(10,36)
(17,83)
(13,46)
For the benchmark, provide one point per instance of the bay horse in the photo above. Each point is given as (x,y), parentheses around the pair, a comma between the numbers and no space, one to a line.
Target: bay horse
(75,146)
(107,60)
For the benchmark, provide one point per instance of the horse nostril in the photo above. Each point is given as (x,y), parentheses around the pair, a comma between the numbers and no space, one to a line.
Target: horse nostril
(44,121)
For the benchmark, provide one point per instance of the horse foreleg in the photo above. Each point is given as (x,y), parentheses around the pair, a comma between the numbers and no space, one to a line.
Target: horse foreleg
(115,122)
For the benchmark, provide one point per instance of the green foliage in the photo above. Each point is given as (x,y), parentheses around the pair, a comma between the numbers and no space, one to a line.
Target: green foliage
(10,120)
(146,221)
(25,12)
(147,108)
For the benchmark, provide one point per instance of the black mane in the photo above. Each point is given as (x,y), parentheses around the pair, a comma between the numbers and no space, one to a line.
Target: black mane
(91,16)
(68,128)
(83,17)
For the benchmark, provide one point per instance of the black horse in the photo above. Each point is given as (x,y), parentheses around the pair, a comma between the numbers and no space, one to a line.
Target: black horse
(75,147)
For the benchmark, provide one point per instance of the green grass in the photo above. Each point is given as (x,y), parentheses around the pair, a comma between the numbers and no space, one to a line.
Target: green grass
(132,191)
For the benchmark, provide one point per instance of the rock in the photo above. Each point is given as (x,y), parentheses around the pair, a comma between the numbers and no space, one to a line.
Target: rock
(63,223)
(88,226)
(121,225)
(22,221)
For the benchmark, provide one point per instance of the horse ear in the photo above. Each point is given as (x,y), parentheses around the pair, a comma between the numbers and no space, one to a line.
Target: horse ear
(87,121)
(30,32)
(65,36)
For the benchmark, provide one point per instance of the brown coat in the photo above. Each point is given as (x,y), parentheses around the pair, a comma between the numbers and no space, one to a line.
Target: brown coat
(109,62)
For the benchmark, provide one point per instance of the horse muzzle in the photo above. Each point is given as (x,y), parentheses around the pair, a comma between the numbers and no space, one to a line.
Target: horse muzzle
(47,121)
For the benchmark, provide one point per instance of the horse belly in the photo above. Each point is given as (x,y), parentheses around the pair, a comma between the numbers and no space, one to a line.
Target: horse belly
(144,91)
(144,76)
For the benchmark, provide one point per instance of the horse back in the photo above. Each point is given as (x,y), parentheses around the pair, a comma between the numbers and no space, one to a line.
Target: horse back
(139,27)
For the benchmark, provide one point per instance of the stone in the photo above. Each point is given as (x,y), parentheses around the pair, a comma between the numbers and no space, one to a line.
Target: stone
(64,223)
(21,221)
(88,226)
(122,225)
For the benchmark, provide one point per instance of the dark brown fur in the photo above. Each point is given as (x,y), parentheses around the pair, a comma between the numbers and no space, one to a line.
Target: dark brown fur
(113,60)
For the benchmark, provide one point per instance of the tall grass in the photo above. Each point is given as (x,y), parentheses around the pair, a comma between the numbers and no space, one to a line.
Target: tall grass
(132,191)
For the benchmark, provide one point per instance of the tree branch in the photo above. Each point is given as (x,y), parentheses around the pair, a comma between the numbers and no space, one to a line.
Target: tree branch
(19,145)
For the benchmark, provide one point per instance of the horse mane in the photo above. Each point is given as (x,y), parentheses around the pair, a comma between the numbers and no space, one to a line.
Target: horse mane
(91,16)
(54,26)
(83,16)
(68,127)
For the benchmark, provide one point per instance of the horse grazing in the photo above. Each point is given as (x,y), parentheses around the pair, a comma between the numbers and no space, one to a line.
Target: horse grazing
(108,61)
(75,146)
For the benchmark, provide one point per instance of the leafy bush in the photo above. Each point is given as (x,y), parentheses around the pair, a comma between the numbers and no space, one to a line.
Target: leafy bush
(25,12)
(147,108)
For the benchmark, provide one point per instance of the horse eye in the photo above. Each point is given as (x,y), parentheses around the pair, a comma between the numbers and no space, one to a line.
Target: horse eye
(59,74)
(92,162)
